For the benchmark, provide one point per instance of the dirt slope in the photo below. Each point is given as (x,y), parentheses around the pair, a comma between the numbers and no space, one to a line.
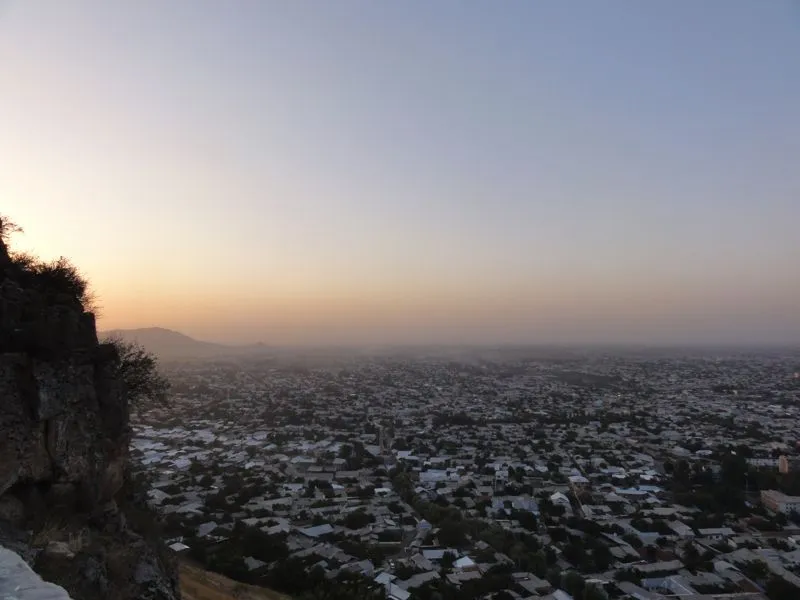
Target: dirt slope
(197,584)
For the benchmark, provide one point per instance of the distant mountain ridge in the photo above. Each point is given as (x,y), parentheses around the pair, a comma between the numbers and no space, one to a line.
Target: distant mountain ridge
(168,344)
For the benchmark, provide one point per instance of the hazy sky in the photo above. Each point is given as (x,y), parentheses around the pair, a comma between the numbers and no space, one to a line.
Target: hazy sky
(413,171)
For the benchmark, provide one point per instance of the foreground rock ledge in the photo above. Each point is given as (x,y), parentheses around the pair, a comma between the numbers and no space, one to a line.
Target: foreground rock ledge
(67,507)
(19,582)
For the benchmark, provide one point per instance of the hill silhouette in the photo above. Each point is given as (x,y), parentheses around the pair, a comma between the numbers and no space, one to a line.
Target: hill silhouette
(168,344)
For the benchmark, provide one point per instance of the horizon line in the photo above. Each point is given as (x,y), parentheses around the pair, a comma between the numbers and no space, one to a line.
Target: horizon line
(484,345)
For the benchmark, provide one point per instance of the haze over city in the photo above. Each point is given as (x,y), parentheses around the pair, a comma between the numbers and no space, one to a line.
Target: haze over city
(372,172)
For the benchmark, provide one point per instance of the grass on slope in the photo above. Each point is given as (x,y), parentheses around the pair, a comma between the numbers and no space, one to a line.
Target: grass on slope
(197,584)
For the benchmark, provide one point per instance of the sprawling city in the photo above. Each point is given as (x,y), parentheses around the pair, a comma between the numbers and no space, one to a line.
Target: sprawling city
(399,300)
(506,474)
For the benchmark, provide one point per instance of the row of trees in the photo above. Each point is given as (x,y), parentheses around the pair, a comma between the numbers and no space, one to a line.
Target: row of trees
(298,577)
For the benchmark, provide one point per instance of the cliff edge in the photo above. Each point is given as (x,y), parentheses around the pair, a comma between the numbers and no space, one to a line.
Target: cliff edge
(65,500)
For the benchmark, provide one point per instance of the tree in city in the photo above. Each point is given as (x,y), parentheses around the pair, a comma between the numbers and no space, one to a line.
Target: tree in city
(573,584)
(358,519)
(345,586)
(601,556)
(628,574)
(594,592)
(448,560)
(554,576)
(780,589)
(756,570)
(452,533)
(691,556)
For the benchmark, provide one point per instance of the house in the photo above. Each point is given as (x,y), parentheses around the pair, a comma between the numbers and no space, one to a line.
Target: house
(418,580)
(559,595)
(639,593)
(364,567)
(178,547)
(277,529)
(460,577)
(206,528)
(302,463)
(156,497)
(768,463)
(465,563)
(436,554)
(395,592)
(672,585)
(659,567)
(779,502)
(253,563)
(420,562)
(682,530)
(716,533)
(787,464)
(317,531)
(531,583)
(596,511)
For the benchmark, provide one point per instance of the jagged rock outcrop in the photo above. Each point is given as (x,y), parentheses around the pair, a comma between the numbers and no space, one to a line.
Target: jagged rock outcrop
(64,439)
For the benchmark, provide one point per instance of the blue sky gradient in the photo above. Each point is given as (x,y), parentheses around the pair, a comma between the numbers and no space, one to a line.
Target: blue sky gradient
(358,171)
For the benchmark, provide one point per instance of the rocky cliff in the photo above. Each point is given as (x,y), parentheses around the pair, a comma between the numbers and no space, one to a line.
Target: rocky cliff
(65,502)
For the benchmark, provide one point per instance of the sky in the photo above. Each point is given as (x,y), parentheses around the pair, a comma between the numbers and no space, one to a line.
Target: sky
(316,172)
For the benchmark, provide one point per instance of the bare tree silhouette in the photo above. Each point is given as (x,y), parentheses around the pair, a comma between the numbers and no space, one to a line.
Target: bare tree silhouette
(7,229)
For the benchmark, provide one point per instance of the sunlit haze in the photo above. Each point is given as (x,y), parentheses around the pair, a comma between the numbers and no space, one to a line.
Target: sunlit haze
(413,172)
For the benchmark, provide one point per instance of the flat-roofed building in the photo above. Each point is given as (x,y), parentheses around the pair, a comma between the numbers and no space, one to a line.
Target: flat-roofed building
(779,502)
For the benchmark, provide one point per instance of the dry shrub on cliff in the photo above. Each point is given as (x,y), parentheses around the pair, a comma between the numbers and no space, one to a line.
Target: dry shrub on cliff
(138,370)
(23,261)
(61,277)
(56,279)
(51,531)
(8,228)
(59,530)
(78,540)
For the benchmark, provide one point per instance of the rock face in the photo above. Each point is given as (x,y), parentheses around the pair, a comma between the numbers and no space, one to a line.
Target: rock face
(64,439)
